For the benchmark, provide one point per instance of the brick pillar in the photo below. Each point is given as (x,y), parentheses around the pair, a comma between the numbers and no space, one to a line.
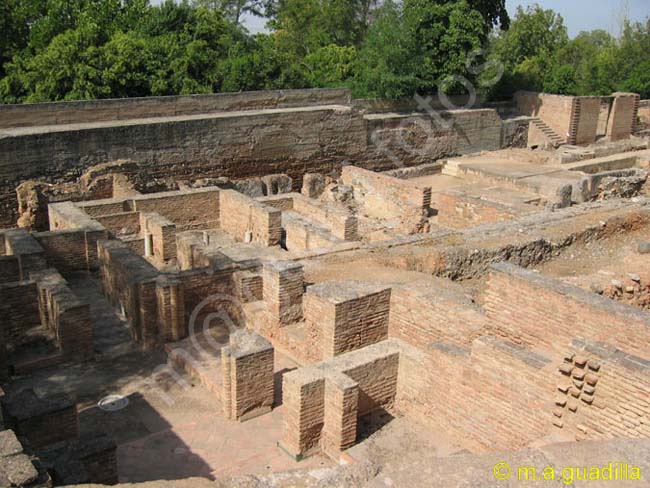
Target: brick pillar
(341,411)
(303,401)
(147,313)
(247,369)
(282,290)
(171,308)
(349,314)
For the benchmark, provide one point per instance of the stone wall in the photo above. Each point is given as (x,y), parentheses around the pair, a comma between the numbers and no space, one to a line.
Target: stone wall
(265,133)
(56,113)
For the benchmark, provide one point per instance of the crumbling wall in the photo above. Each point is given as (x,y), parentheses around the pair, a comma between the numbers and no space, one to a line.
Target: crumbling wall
(387,197)
(458,210)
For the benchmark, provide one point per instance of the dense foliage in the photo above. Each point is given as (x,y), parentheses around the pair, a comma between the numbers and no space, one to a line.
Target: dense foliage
(87,49)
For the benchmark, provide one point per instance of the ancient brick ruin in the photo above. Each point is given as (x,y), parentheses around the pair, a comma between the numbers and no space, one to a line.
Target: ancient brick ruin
(251,284)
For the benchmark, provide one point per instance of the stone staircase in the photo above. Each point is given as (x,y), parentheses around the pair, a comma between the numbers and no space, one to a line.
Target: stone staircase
(552,136)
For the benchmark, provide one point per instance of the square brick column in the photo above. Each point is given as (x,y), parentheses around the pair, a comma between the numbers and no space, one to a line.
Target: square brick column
(247,375)
(171,308)
(282,290)
(303,401)
(350,314)
(341,412)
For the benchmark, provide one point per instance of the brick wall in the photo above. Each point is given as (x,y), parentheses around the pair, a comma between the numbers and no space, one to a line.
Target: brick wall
(30,254)
(433,310)
(65,250)
(247,372)
(338,221)
(19,309)
(495,395)
(170,305)
(129,281)
(602,393)
(547,314)
(282,291)
(458,210)
(208,292)
(554,110)
(350,314)
(302,235)
(4,366)
(622,117)
(43,421)
(388,197)
(197,208)
(162,233)
(65,314)
(322,402)
(125,223)
(67,215)
(585,116)
(292,140)
(243,217)
(9,269)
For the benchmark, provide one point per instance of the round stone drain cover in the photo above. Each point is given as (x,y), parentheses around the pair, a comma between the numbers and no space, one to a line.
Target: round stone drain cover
(113,403)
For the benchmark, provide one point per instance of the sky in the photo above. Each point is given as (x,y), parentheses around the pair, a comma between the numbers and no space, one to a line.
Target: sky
(578,15)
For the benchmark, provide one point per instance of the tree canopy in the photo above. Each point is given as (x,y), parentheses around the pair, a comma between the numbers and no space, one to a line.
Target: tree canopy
(90,49)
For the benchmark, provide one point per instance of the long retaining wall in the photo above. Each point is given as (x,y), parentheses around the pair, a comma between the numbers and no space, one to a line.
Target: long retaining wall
(228,135)
(38,114)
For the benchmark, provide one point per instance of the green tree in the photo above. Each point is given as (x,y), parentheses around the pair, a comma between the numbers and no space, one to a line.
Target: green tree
(526,51)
